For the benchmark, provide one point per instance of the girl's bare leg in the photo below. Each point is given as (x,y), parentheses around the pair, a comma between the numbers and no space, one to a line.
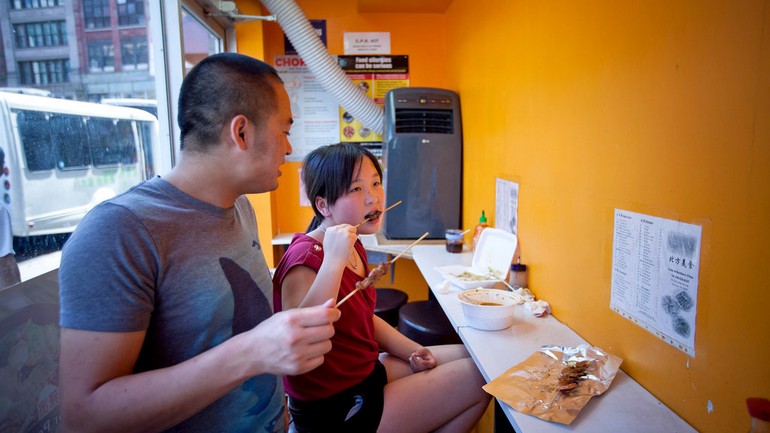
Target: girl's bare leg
(447,398)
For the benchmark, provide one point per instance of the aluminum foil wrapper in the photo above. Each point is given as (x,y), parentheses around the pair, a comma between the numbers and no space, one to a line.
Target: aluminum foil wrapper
(532,387)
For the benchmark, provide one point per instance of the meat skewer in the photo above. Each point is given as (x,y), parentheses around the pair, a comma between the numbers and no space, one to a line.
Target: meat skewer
(377,272)
(378,213)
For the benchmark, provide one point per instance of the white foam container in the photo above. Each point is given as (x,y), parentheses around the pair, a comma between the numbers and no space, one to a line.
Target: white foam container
(494,254)
(488,317)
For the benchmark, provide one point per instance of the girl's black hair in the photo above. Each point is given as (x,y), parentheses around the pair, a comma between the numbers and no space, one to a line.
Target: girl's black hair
(328,172)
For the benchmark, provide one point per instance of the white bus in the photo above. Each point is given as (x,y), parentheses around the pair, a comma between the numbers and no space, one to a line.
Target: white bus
(63,157)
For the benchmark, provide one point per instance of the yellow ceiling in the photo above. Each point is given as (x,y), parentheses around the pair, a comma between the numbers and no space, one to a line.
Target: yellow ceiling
(403,6)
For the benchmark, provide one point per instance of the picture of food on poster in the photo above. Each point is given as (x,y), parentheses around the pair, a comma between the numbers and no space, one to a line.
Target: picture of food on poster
(375,75)
(316,112)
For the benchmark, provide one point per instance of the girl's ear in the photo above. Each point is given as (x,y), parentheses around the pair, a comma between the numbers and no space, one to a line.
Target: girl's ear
(322,206)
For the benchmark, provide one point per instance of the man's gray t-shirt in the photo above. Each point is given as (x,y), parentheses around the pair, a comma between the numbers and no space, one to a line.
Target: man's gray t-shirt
(188,273)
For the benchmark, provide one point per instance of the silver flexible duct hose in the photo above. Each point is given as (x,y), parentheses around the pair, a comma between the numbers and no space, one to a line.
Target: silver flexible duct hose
(322,64)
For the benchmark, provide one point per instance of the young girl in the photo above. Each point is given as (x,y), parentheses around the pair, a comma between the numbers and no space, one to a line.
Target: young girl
(407,388)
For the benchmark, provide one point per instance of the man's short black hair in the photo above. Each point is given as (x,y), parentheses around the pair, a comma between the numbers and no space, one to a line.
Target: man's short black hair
(219,88)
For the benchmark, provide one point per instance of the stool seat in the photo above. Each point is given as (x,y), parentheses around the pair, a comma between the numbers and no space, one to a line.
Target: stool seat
(426,323)
(389,302)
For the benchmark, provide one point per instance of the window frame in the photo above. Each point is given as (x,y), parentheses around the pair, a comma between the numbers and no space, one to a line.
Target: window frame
(166,20)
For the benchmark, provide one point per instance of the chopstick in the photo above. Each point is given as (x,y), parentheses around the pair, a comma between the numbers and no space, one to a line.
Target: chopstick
(515,293)
(342,301)
(386,209)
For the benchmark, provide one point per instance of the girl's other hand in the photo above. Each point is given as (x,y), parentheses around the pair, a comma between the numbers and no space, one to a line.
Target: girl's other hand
(421,360)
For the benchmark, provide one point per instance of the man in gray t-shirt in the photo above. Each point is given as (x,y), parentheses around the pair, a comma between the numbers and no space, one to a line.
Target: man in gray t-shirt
(166,300)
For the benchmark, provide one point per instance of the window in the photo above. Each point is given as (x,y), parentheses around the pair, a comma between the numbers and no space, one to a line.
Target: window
(68,135)
(43,72)
(199,40)
(45,34)
(96,14)
(101,56)
(112,142)
(134,53)
(54,145)
(130,12)
(34,4)
(35,138)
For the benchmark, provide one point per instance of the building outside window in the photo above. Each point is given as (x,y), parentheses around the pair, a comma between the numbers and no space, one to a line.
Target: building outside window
(130,12)
(101,56)
(134,53)
(44,72)
(96,14)
(44,34)
(34,4)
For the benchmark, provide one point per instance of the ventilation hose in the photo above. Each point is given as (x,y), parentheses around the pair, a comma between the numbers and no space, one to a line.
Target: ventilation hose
(326,70)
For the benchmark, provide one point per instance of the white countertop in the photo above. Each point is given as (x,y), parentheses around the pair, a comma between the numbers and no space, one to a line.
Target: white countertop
(625,407)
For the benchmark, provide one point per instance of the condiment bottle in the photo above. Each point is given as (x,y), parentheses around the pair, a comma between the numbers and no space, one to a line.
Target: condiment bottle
(479,228)
(759,409)
(518,276)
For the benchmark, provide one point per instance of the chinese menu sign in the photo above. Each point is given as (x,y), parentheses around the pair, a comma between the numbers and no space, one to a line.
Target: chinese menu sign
(655,265)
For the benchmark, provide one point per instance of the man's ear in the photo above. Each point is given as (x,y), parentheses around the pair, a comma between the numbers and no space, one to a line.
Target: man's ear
(238,129)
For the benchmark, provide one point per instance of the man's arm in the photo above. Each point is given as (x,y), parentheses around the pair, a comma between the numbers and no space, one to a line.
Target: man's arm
(100,393)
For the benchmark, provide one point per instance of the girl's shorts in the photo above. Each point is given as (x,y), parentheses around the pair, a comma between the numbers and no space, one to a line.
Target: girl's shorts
(357,409)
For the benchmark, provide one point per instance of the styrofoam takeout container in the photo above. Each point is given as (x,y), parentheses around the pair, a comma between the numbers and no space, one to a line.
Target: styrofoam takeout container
(493,256)
(488,309)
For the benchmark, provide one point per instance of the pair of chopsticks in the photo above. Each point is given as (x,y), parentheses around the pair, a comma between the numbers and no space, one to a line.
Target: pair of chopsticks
(386,209)
(342,301)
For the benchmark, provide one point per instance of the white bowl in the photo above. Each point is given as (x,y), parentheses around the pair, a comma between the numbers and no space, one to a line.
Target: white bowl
(488,309)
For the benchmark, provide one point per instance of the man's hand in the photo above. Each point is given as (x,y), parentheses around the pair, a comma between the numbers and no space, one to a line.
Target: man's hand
(294,342)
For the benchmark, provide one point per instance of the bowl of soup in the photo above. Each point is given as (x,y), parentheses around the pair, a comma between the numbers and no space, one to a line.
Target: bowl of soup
(488,309)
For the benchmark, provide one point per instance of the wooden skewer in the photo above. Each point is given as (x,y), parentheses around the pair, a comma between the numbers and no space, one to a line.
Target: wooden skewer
(408,248)
(342,301)
(386,209)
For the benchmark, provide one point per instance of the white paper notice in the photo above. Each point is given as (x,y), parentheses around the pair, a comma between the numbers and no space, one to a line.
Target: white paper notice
(366,43)
(655,265)
(316,112)
(506,205)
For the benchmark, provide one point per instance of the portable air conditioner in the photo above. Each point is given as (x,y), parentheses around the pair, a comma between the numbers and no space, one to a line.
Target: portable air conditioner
(422,161)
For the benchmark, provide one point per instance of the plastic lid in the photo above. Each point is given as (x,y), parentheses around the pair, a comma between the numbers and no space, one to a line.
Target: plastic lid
(759,408)
(494,251)
(483,218)
(518,267)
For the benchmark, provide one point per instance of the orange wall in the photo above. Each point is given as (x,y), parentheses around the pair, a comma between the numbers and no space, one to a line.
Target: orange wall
(656,107)
(661,108)
(421,36)
(249,41)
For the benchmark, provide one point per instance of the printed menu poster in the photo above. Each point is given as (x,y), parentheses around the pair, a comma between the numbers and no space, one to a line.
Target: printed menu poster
(655,265)
(506,205)
(375,75)
(316,112)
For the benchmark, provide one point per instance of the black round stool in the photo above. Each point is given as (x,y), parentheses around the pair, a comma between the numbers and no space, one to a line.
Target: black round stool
(389,301)
(426,323)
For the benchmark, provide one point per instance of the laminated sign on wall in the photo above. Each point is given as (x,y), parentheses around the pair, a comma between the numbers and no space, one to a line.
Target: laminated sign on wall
(315,111)
(375,75)
(655,265)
